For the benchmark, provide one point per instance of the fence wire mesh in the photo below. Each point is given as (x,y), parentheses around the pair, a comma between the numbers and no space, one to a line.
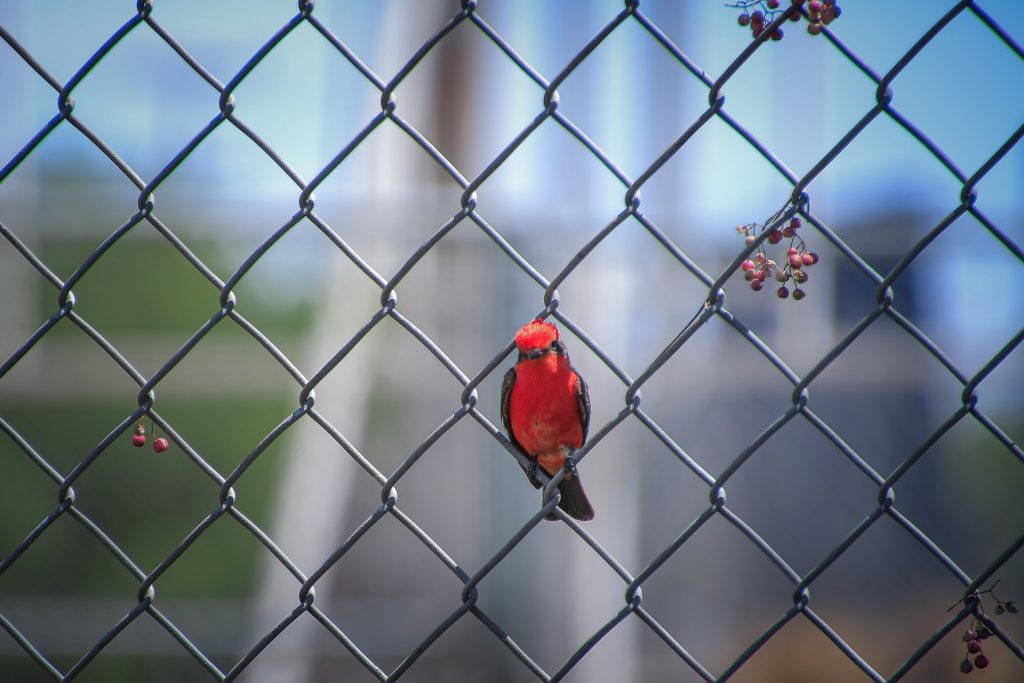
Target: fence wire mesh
(73,502)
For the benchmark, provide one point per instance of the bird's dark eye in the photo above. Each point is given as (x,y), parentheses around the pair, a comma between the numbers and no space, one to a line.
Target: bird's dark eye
(557,347)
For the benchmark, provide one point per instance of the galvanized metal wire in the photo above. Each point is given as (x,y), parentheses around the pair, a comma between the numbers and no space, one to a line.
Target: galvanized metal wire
(469,14)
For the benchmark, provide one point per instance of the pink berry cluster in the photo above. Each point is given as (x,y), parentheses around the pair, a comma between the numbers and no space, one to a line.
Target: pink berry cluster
(972,643)
(139,439)
(757,14)
(759,268)
(978,632)
(821,12)
(763,13)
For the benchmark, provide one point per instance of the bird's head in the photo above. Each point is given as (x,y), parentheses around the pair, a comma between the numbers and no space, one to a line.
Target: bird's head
(536,338)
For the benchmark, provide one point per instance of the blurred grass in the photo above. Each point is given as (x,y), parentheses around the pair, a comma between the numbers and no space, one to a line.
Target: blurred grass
(108,668)
(147,503)
(144,285)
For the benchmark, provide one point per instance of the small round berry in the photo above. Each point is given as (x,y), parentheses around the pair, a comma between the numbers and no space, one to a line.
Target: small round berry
(782,292)
(160,445)
(981,661)
(773,4)
(814,258)
(969,634)
(807,259)
(750,240)
(794,17)
(800,276)
(761,274)
(782,276)
(799,294)
(756,29)
(795,223)
(791,251)
(787,231)
(836,10)
(748,265)
(757,17)
(796,261)
(777,35)
(814,29)
(966,667)
(744,19)
(139,440)
(775,236)
(973,646)
(984,633)
(756,285)
(140,429)
(749,275)
(814,6)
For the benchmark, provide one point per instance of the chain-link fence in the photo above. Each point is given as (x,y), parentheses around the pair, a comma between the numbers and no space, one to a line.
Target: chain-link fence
(72,477)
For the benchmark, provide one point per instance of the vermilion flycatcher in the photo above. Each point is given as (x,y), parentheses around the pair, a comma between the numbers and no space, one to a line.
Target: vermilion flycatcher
(546,410)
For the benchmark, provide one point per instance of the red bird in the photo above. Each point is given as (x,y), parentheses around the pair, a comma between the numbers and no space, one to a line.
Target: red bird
(545,408)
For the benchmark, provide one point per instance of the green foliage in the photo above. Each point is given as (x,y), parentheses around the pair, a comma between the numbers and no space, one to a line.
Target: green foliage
(147,503)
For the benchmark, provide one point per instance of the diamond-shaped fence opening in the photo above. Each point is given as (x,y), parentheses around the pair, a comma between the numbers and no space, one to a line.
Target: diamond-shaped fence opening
(304,305)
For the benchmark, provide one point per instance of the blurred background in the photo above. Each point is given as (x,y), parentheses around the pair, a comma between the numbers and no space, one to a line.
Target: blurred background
(885,396)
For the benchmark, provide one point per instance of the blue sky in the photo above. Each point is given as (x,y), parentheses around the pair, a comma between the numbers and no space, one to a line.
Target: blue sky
(799,96)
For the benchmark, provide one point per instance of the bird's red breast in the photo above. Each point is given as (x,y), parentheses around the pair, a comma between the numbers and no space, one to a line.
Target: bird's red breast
(544,408)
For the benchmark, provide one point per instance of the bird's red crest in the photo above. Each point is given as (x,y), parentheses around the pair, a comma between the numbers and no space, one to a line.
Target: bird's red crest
(536,334)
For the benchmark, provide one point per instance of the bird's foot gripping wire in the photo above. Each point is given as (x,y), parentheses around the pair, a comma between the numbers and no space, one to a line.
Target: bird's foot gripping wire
(570,465)
(531,473)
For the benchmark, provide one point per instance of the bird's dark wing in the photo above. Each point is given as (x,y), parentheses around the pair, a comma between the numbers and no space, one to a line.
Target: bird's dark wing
(583,399)
(506,395)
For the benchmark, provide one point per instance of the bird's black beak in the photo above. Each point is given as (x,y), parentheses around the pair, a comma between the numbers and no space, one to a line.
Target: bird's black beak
(534,354)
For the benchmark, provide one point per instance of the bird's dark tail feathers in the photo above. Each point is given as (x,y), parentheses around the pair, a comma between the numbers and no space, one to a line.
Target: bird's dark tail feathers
(574,500)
